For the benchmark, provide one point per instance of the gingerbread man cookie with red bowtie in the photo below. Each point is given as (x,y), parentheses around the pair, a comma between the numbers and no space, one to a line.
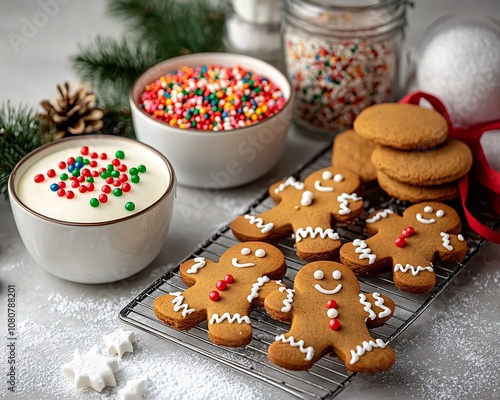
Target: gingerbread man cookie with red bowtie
(327,314)
(309,210)
(409,244)
(223,293)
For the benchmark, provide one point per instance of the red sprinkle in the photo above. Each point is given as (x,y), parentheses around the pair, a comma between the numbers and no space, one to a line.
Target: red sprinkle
(105,189)
(85,172)
(75,184)
(51,173)
(122,168)
(39,178)
(95,174)
(93,163)
(104,156)
(71,160)
(82,189)
(61,192)
(94,155)
(62,184)
(80,179)
(84,150)
(103,198)
(109,180)
(123,178)
(62,165)
(116,183)
(90,187)
(116,162)
(70,194)
(126,187)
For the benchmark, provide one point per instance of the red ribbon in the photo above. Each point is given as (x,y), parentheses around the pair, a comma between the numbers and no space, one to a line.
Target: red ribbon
(481,170)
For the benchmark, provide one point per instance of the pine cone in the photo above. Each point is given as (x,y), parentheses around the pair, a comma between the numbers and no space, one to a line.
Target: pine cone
(71,114)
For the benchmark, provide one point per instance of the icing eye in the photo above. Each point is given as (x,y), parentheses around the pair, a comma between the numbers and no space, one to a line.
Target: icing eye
(428,209)
(260,253)
(439,213)
(338,178)
(318,274)
(245,251)
(327,175)
(337,274)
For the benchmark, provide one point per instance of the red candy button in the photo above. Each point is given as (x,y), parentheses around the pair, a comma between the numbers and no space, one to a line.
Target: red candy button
(334,324)
(331,304)
(400,241)
(229,279)
(214,295)
(221,285)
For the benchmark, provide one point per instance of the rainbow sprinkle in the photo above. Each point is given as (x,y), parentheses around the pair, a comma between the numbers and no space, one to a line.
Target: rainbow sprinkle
(211,98)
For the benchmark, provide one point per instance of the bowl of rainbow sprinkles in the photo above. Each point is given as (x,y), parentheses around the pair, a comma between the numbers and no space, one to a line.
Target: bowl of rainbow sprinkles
(220,118)
(93,209)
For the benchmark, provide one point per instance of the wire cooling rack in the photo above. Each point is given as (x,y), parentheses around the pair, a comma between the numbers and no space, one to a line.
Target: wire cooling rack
(329,376)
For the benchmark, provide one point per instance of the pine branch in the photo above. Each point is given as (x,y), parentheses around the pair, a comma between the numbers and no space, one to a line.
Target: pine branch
(20,133)
(173,27)
(110,66)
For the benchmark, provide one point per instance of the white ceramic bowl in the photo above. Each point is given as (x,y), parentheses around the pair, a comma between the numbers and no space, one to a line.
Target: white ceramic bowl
(223,159)
(94,252)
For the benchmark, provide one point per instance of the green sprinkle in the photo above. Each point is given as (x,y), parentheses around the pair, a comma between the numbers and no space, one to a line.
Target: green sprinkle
(130,206)
(117,192)
(110,167)
(120,154)
(141,168)
(79,158)
(86,161)
(76,172)
(115,173)
(90,179)
(135,178)
(133,171)
(63,176)
(94,202)
(104,174)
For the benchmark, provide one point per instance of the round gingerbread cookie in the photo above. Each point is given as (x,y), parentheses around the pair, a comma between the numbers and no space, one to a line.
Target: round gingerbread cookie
(415,194)
(402,126)
(353,152)
(444,164)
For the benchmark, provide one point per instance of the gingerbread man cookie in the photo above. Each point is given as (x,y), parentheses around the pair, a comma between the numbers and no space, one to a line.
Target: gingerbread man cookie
(223,293)
(427,231)
(309,210)
(328,314)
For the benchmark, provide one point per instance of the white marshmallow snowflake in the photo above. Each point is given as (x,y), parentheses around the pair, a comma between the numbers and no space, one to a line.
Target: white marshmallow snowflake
(133,390)
(91,369)
(119,342)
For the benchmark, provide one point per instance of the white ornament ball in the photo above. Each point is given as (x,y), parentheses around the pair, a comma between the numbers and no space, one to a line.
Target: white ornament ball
(461,65)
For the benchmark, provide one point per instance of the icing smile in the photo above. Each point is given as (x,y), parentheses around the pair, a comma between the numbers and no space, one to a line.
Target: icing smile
(236,264)
(321,289)
(421,219)
(320,188)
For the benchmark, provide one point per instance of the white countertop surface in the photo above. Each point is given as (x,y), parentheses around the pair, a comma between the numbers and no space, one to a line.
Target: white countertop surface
(450,352)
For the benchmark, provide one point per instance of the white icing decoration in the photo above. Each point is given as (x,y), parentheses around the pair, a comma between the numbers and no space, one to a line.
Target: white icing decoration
(287,303)
(178,304)
(254,293)
(119,342)
(365,346)
(445,237)
(367,306)
(332,313)
(318,274)
(235,317)
(414,271)
(91,369)
(323,233)
(421,219)
(308,351)
(245,251)
(380,304)
(364,251)
(199,262)
(236,264)
(321,188)
(291,181)
(379,215)
(338,178)
(325,291)
(264,228)
(327,175)
(440,213)
(133,390)
(307,198)
(428,209)
(343,202)
(337,274)
(460,237)
(260,253)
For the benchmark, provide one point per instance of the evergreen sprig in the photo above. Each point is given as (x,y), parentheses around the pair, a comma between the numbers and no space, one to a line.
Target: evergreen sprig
(110,66)
(20,133)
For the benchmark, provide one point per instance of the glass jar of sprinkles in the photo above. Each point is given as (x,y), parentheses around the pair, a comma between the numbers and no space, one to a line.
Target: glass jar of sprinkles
(341,56)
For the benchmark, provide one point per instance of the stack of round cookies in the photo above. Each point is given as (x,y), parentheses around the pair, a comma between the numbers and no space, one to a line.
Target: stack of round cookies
(414,158)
